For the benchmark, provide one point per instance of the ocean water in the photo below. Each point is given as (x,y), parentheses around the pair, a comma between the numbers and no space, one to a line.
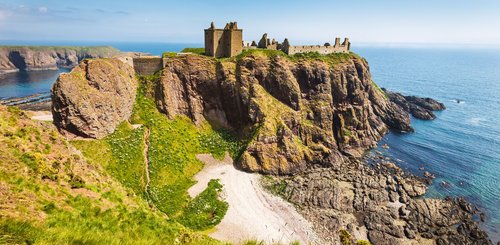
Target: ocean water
(461,147)
(24,83)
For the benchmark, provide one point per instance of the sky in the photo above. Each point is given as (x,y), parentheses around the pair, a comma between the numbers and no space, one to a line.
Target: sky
(375,22)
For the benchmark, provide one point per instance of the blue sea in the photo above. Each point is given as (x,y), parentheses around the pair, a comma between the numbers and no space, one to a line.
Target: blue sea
(461,147)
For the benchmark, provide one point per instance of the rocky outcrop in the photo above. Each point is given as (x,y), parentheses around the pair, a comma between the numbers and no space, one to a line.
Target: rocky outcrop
(379,204)
(300,112)
(94,97)
(420,108)
(13,59)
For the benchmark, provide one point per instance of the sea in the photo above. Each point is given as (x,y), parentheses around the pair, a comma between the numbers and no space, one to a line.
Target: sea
(461,147)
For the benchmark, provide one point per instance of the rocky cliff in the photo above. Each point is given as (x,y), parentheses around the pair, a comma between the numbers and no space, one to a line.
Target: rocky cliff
(306,118)
(14,58)
(296,111)
(94,97)
(300,111)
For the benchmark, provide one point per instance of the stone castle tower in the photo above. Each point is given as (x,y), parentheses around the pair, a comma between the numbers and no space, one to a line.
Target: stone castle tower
(225,42)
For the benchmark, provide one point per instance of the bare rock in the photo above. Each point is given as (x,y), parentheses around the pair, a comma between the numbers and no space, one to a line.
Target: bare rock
(94,97)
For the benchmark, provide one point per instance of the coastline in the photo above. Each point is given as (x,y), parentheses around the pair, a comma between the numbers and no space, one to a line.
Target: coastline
(379,142)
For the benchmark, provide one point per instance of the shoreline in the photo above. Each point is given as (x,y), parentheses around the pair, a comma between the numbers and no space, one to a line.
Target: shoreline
(253,212)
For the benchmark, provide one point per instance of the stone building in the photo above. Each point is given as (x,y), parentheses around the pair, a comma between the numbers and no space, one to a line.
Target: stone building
(225,42)
(327,48)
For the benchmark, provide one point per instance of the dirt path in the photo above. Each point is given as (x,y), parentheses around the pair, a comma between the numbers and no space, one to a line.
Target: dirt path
(42,115)
(146,158)
(253,213)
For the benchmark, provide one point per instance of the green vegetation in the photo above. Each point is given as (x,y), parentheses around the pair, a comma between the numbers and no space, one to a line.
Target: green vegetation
(121,154)
(200,51)
(174,145)
(206,210)
(347,133)
(331,59)
(259,53)
(362,242)
(379,89)
(274,185)
(50,194)
(345,237)
(169,54)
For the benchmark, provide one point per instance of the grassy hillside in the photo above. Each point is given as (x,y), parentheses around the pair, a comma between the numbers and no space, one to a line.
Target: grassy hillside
(97,192)
(48,192)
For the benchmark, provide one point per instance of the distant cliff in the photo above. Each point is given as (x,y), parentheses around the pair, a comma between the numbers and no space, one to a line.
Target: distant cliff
(33,58)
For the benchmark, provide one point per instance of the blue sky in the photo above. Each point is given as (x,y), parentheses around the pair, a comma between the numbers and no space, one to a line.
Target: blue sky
(318,21)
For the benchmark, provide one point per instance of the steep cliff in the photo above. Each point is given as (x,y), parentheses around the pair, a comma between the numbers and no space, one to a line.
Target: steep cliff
(16,58)
(297,111)
(306,119)
(94,97)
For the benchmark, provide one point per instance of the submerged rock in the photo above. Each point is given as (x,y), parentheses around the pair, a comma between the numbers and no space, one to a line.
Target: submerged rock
(94,97)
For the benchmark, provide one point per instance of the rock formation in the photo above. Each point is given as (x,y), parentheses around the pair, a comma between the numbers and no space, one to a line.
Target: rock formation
(380,205)
(420,108)
(307,120)
(301,112)
(94,97)
(13,59)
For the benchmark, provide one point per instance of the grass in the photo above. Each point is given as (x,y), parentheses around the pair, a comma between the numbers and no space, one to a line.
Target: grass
(379,89)
(200,51)
(52,195)
(174,145)
(206,210)
(274,185)
(121,154)
(169,54)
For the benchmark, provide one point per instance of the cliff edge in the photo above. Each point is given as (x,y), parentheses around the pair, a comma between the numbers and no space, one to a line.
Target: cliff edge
(33,58)
(297,112)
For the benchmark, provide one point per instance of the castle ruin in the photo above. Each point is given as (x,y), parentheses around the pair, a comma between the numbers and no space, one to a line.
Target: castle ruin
(327,48)
(227,42)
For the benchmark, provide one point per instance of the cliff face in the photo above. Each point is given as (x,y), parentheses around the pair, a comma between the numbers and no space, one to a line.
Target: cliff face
(94,97)
(301,111)
(13,59)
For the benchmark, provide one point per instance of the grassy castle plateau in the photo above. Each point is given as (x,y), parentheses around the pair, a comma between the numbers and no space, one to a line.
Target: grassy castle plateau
(126,180)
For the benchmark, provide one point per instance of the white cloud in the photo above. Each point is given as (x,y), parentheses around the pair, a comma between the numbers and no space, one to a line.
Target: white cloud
(43,9)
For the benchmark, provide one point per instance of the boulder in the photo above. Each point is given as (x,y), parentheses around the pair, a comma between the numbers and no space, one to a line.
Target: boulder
(94,97)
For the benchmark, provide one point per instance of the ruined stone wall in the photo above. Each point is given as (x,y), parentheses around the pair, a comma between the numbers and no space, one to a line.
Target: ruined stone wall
(235,42)
(317,48)
(148,65)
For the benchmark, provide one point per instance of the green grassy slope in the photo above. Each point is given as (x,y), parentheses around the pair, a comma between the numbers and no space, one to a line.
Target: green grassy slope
(94,191)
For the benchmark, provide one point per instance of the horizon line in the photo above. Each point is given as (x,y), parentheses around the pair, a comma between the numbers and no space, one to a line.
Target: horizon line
(10,42)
